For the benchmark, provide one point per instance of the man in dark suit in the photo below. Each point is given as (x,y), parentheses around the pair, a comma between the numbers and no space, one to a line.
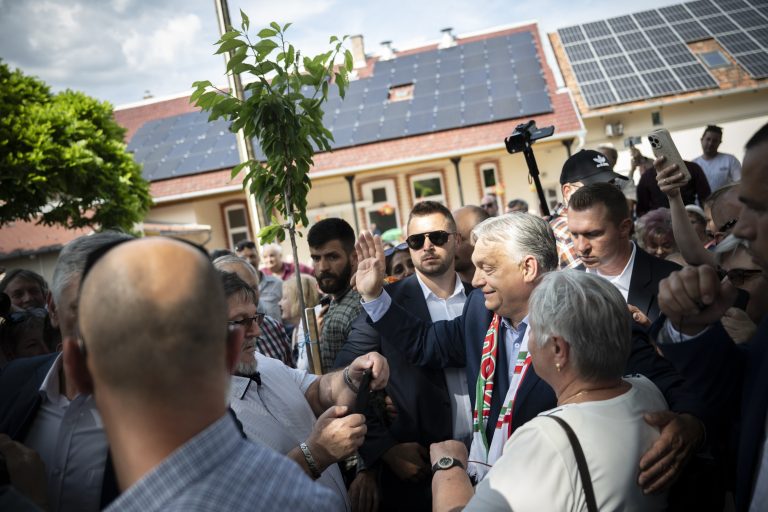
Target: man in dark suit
(41,407)
(600,226)
(511,252)
(734,378)
(432,403)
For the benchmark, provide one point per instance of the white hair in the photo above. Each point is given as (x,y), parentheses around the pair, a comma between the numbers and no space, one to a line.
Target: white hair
(590,314)
(276,247)
(523,234)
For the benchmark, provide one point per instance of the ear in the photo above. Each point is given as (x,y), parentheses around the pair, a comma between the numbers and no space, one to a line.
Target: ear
(561,350)
(566,191)
(235,338)
(78,378)
(625,228)
(530,269)
(53,313)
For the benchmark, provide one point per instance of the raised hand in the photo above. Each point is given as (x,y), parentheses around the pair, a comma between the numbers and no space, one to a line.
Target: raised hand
(371,266)
(669,178)
(379,369)
(336,436)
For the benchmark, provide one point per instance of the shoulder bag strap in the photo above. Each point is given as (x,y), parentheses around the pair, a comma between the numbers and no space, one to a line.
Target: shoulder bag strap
(581,462)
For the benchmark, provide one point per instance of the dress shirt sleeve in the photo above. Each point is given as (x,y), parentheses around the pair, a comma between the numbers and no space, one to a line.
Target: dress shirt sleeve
(378,307)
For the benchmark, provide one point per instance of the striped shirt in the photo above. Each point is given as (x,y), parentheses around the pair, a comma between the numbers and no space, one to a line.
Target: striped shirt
(565,251)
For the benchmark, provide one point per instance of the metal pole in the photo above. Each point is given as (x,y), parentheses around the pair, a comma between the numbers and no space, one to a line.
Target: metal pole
(456,161)
(244,144)
(351,178)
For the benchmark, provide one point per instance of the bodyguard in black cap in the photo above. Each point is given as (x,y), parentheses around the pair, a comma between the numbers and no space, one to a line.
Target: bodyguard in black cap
(583,168)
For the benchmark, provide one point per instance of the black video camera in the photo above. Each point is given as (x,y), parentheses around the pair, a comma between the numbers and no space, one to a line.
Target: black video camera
(526,134)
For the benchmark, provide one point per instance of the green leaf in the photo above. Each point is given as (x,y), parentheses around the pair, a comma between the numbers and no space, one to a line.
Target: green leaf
(285,27)
(266,32)
(348,60)
(333,39)
(229,35)
(290,56)
(245,21)
(236,169)
(275,26)
(228,45)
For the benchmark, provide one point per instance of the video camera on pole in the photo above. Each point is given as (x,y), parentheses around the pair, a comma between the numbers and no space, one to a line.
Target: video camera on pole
(520,141)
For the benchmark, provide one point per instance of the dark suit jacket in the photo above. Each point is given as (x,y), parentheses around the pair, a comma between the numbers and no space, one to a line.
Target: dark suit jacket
(420,394)
(20,399)
(733,378)
(647,272)
(459,342)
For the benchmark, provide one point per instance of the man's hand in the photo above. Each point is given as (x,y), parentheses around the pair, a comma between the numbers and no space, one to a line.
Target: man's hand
(26,470)
(379,370)
(669,178)
(391,408)
(738,325)
(364,492)
(451,448)
(409,461)
(638,316)
(681,435)
(336,436)
(693,298)
(371,265)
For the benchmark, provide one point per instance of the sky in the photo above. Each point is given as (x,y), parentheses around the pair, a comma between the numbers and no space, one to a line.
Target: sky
(116,50)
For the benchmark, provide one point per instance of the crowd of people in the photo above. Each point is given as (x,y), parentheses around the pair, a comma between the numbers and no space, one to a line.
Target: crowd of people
(610,356)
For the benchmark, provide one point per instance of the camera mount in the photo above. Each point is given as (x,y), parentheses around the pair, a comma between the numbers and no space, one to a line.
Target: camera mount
(520,141)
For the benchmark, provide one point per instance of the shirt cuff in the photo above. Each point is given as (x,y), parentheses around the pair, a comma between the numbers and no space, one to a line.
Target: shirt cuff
(378,307)
(669,335)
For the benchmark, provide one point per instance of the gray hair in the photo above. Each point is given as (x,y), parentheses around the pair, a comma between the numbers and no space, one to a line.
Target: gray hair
(72,258)
(590,314)
(523,234)
(231,259)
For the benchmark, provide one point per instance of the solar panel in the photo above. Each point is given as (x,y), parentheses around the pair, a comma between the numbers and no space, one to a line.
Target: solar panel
(760,35)
(617,66)
(449,98)
(579,52)
(661,36)
(474,63)
(732,5)
(606,47)
(633,41)
(474,48)
(367,132)
(597,29)
(747,19)
(393,128)
(421,104)
(622,24)
(755,63)
(691,31)
(676,54)
(629,88)
(646,60)
(648,19)
(598,94)
(661,82)
(421,123)
(477,93)
(702,8)
(588,72)
(674,13)
(448,118)
(718,24)
(738,43)
(536,103)
(479,112)
(694,76)
(506,108)
(479,77)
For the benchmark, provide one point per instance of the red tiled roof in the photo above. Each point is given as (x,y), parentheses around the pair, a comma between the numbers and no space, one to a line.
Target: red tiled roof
(22,238)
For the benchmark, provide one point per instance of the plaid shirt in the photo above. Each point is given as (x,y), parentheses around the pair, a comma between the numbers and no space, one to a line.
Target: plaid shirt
(336,326)
(219,470)
(274,342)
(565,251)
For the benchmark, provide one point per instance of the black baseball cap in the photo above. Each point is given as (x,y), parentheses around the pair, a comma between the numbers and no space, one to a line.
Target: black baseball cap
(588,166)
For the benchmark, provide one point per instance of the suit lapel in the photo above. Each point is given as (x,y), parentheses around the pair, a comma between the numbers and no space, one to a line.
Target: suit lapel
(638,285)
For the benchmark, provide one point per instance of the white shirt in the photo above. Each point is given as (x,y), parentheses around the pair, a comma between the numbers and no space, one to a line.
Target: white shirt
(623,280)
(277,413)
(455,378)
(720,170)
(538,470)
(70,438)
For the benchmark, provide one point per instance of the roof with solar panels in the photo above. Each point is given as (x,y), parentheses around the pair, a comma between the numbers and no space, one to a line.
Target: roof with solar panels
(686,49)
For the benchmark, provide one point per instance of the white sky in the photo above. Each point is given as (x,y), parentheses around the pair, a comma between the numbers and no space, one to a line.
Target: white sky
(116,50)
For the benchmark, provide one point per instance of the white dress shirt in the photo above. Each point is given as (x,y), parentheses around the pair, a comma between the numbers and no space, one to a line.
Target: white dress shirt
(623,280)
(455,378)
(70,439)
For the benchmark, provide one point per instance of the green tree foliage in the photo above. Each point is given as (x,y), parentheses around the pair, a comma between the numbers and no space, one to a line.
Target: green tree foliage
(63,159)
(282,110)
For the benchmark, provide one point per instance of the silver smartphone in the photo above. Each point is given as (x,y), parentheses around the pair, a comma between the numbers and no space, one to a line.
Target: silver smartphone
(662,145)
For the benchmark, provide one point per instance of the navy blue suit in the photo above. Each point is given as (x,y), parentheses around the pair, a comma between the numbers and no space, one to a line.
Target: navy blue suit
(647,272)
(734,379)
(459,342)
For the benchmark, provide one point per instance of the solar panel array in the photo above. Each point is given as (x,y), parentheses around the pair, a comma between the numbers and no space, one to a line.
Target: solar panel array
(468,84)
(644,54)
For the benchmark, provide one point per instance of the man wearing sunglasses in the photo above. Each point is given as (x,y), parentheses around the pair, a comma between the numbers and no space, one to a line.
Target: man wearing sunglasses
(432,403)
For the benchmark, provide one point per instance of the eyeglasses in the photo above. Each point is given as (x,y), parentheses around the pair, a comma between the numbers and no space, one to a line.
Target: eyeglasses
(399,247)
(247,322)
(487,205)
(439,238)
(738,276)
(728,225)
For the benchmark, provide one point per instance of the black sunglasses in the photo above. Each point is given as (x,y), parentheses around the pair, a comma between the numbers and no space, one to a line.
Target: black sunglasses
(728,225)
(439,238)
(248,321)
(738,276)
(389,251)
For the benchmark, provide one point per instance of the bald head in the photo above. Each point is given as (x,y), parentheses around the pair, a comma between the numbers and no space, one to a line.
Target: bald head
(153,317)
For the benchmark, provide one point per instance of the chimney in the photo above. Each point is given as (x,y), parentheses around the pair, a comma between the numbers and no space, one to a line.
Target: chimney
(448,38)
(358,51)
(387,52)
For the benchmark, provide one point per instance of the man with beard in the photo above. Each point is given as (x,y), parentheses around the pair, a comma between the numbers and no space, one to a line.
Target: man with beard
(467,217)
(432,404)
(296,413)
(332,247)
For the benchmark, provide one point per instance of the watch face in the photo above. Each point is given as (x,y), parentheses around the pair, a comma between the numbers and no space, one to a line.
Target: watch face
(445,462)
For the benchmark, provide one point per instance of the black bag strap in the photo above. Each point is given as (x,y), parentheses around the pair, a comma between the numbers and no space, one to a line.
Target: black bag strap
(581,462)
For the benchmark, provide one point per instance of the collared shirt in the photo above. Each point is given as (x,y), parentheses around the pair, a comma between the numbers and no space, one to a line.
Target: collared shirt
(276,412)
(270,293)
(565,251)
(219,470)
(623,280)
(455,378)
(336,326)
(720,170)
(274,342)
(70,439)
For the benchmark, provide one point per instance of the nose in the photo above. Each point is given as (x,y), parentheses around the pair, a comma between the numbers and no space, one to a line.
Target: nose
(745,227)
(478,279)
(580,244)
(253,330)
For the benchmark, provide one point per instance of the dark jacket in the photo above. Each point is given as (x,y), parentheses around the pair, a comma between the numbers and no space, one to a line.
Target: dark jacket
(650,196)
(647,272)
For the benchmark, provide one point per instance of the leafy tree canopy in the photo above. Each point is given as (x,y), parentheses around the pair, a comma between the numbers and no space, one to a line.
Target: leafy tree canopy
(63,159)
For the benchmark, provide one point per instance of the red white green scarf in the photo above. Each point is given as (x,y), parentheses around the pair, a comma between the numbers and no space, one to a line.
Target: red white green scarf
(480,449)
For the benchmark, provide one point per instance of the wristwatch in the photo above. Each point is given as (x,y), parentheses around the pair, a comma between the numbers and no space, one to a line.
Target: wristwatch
(446,463)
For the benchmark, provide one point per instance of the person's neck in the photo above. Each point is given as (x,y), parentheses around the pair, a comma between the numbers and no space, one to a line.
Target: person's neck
(140,438)
(466,275)
(278,269)
(577,390)
(619,263)
(441,285)
(517,315)
(710,157)
(338,296)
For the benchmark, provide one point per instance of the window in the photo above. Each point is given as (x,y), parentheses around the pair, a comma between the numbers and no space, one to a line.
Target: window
(400,92)
(427,187)
(489,177)
(236,219)
(383,209)
(714,59)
